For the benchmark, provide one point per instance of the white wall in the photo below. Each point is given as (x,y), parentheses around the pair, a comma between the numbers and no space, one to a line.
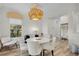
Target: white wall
(50,11)
(29,25)
(4,23)
(73,34)
(54,27)
(46,26)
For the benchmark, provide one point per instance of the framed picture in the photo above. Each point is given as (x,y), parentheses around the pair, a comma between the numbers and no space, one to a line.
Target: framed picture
(15,30)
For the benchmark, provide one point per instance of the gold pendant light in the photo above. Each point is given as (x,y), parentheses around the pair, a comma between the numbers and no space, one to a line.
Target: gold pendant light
(35,13)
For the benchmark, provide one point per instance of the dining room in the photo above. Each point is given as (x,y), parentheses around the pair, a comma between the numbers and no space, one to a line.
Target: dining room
(39,29)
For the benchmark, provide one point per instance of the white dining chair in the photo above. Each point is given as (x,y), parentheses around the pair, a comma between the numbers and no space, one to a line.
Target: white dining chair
(7,42)
(34,48)
(22,46)
(49,46)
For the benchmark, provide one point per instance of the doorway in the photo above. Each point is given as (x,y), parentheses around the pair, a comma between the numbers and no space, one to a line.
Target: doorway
(64,31)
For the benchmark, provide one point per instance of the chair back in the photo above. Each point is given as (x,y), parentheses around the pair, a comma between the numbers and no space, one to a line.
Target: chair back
(50,45)
(54,39)
(46,35)
(21,43)
(34,47)
(5,39)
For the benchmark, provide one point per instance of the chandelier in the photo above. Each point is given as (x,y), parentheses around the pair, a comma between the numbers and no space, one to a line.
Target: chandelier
(35,13)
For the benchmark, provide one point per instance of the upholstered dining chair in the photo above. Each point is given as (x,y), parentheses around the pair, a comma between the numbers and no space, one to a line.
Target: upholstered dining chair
(34,48)
(49,46)
(7,42)
(22,46)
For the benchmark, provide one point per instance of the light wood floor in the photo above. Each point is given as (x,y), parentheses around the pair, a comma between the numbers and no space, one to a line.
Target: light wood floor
(60,50)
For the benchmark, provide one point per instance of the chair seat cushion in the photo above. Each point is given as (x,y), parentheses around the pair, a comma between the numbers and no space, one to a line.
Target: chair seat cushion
(5,39)
(48,46)
(9,43)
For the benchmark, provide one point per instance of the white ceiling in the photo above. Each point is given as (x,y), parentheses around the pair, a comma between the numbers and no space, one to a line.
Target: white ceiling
(51,10)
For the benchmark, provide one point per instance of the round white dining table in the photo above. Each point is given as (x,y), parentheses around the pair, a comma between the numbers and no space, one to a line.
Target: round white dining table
(40,40)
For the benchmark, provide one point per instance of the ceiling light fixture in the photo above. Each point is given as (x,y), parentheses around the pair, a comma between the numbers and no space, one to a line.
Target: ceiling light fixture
(35,13)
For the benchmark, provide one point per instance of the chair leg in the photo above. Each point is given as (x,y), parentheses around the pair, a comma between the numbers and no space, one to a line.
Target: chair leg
(0,50)
(52,53)
(76,53)
(16,45)
(43,52)
(7,47)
